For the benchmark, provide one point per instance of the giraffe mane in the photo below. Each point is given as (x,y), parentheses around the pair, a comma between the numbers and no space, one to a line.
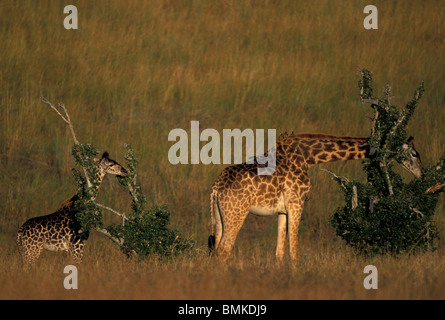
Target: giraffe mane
(320,136)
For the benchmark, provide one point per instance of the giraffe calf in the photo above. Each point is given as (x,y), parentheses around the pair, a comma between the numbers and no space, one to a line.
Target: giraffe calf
(61,231)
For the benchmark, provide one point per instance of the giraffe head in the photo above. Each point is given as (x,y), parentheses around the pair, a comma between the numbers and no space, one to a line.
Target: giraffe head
(107,165)
(411,161)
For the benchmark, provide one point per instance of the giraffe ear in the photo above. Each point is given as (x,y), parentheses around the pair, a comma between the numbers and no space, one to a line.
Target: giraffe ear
(105,155)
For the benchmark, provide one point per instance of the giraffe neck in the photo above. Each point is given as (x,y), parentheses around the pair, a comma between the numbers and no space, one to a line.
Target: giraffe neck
(318,148)
(99,176)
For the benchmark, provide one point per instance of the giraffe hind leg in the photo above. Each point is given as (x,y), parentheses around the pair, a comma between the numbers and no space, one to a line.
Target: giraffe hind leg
(281,237)
(230,228)
(29,246)
(30,254)
(294,215)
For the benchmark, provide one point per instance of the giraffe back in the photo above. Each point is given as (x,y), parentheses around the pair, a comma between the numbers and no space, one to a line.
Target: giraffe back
(59,231)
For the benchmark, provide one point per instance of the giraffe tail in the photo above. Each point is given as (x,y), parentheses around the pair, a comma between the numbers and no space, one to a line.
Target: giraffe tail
(211,243)
(19,241)
(211,240)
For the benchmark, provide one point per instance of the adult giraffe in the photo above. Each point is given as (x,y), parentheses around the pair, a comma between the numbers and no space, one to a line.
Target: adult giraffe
(239,190)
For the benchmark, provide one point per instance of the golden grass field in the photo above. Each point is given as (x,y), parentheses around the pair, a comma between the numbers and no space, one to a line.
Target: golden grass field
(134,70)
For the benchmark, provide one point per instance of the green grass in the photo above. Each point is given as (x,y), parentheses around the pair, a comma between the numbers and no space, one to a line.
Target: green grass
(134,71)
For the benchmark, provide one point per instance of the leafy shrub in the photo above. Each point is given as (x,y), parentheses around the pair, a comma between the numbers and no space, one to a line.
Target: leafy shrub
(143,232)
(385,214)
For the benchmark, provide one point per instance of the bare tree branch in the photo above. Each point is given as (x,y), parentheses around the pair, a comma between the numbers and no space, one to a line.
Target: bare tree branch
(342,179)
(372,101)
(374,122)
(373,201)
(69,122)
(67,119)
(354,198)
(122,215)
(418,212)
(108,235)
(435,188)
(117,241)
(133,192)
(384,167)
(54,108)
(388,93)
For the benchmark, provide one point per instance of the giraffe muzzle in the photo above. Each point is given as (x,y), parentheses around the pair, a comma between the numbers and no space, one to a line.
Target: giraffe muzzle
(123,173)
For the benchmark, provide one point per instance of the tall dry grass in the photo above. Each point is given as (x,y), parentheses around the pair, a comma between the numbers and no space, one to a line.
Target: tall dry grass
(324,272)
(136,70)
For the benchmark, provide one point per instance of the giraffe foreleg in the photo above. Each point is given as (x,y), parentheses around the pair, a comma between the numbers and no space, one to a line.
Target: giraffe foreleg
(294,210)
(281,238)
(76,251)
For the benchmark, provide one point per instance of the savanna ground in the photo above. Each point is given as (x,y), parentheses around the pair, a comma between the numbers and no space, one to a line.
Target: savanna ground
(135,70)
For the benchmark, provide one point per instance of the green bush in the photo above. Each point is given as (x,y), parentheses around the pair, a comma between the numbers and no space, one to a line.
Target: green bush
(148,233)
(143,232)
(385,214)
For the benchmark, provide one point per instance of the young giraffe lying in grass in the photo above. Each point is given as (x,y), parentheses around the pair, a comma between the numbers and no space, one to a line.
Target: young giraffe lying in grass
(60,231)
(239,190)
